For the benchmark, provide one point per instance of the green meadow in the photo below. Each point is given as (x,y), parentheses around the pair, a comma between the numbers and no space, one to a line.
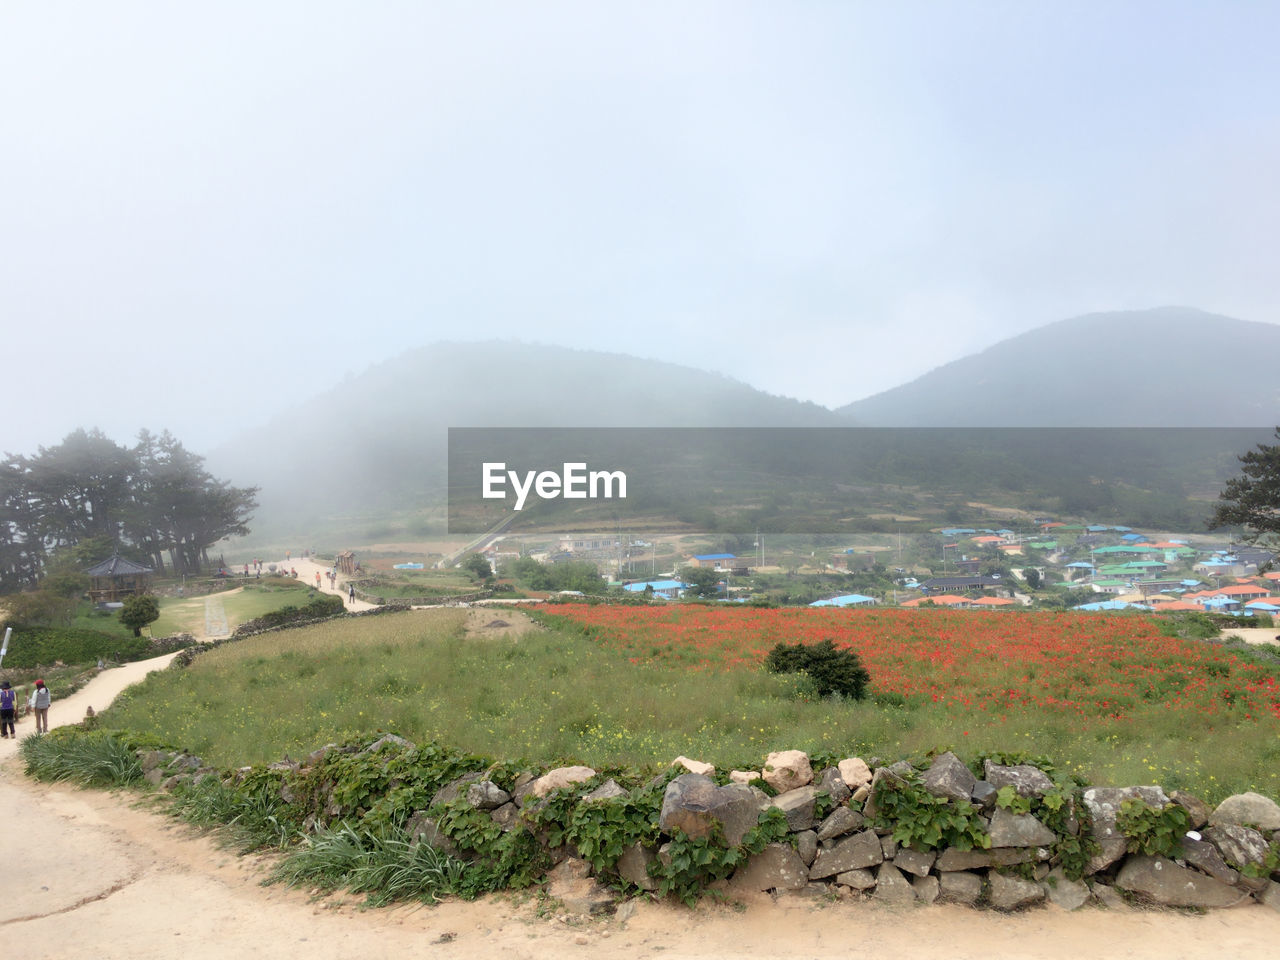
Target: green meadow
(553,695)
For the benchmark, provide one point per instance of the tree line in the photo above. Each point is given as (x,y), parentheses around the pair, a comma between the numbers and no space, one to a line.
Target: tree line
(154,502)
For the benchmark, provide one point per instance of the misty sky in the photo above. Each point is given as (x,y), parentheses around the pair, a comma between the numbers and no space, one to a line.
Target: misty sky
(211,210)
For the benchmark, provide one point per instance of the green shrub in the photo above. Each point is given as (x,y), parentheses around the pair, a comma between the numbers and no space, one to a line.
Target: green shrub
(43,646)
(832,670)
(1155,831)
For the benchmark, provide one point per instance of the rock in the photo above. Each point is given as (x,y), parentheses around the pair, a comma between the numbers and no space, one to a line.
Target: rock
(861,793)
(315,756)
(984,795)
(1197,810)
(807,846)
(1064,893)
(959,887)
(857,879)
(852,853)
(798,806)
(559,778)
(787,769)
(455,788)
(777,867)
(869,801)
(573,886)
(926,889)
(1018,830)
(152,759)
(854,772)
(1238,845)
(486,795)
(1270,896)
(831,781)
(507,817)
(839,822)
(948,777)
(424,828)
(1104,805)
(1247,809)
(1205,857)
(1109,897)
(695,804)
(1010,893)
(154,776)
(1029,781)
(889,847)
(694,766)
(892,886)
(951,859)
(744,777)
(633,866)
(1167,883)
(609,790)
(914,862)
(388,740)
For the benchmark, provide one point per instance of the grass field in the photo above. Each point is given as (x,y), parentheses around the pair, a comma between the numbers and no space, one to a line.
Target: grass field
(240,605)
(1106,698)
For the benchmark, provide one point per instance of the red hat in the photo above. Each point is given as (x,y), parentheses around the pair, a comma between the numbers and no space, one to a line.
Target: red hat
(39,683)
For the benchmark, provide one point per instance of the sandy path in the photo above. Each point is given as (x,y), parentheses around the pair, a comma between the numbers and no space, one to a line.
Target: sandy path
(1255,635)
(95,876)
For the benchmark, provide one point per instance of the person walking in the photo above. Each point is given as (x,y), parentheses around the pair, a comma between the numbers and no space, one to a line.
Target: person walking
(40,700)
(8,708)
(351,594)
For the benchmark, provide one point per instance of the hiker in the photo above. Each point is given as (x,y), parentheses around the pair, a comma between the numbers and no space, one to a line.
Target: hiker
(351,594)
(317,579)
(8,707)
(40,701)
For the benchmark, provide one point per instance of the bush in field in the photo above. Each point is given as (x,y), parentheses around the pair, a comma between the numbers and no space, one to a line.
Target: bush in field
(138,611)
(831,669)
(44,646)
(324,605)
(96,759)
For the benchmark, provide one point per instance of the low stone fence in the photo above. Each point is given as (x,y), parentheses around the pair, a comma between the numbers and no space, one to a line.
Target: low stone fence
(854,830)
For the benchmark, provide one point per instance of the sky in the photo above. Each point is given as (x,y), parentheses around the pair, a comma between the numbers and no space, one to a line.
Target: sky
(210,211)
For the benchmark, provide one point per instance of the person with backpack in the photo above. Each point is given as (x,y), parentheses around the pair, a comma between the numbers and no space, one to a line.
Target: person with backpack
(8,707)
(40,700)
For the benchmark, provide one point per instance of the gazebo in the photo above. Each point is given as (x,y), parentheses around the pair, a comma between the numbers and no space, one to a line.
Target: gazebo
(116,578)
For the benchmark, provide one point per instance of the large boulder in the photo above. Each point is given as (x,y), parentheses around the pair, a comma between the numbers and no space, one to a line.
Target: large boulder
(1010,893)
(1104,806)
(854,772)
(787,769)
(633,866)
(831,781)
(852,853)
(1205,857)
(798,806)
(1249,810)
(948,777)
(892,886)
(559,778)
(1029,781)
(777,867)
(1167,883)
(914,861)
(1064,893)
(1018,830)
(1239,846)
(486,795)
(960,887)
(839,822)
(696,805)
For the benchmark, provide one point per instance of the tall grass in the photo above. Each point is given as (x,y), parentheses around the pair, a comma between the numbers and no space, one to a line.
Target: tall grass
(388,865)
(557,696)
(96,760)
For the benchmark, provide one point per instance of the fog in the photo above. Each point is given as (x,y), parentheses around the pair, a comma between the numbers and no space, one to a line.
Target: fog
(214,212)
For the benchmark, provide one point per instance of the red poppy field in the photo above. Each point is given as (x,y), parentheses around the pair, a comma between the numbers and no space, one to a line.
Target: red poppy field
(1101,692)
(1096,666)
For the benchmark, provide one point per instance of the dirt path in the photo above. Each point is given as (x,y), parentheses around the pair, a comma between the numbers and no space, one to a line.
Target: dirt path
(94,875)
(1256,635)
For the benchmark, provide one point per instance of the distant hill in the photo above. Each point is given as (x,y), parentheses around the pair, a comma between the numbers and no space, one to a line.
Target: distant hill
(377,441)
(1167,367)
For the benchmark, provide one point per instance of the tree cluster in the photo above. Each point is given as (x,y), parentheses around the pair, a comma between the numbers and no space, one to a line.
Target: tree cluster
(154,501)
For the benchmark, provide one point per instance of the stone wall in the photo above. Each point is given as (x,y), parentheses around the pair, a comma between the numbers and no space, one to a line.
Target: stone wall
(841,839)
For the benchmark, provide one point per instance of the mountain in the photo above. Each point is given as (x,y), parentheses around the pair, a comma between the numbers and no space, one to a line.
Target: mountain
(1166,367)
(377,441)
